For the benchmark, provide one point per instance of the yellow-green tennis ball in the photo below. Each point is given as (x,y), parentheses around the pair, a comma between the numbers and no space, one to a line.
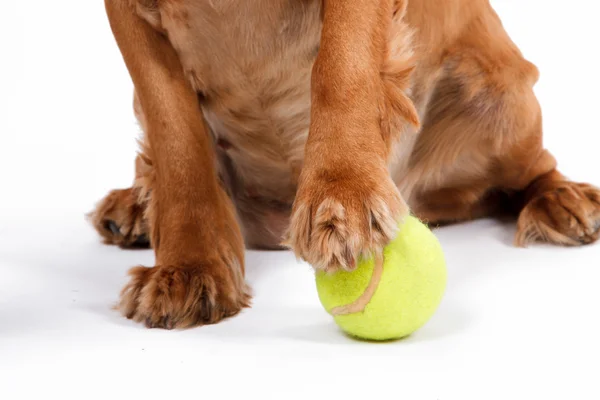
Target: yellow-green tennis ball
(409,291)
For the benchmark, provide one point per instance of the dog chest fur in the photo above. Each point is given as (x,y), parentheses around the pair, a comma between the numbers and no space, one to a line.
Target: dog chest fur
(251,63)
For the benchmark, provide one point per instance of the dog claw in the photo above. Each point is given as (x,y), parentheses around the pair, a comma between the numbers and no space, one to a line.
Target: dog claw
(112,226)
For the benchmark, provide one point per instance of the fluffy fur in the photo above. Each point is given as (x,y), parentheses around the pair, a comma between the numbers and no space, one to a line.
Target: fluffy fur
(319,124)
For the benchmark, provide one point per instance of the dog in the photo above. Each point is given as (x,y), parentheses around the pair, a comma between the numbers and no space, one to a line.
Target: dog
(317,125)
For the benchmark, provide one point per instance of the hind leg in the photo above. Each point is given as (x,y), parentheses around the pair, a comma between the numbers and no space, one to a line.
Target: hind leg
(480,151)
(550,209)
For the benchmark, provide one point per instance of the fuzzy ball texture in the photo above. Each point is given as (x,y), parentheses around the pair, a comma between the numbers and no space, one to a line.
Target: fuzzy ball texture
(409,292)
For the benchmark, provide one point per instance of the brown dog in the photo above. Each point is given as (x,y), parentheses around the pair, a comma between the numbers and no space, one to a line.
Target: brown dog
(328,120)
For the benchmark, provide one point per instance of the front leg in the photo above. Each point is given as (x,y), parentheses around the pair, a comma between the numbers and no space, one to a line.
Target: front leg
(347,205)
(199,276)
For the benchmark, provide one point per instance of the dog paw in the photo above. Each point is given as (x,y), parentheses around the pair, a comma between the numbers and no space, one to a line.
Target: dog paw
(119,219)
(568,215)
(336,220)
(184,296)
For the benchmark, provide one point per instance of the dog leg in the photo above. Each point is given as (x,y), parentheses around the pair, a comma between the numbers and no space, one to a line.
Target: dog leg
(347,206)
(482,148)
(199,276)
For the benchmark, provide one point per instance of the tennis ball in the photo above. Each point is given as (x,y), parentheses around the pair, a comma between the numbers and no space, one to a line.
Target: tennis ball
(392,296)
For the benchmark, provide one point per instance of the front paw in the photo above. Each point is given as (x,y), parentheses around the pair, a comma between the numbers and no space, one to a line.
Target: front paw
(170,297)
(338,218)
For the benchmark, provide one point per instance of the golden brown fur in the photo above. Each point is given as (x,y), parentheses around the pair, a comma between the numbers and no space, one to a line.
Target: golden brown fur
(320,125)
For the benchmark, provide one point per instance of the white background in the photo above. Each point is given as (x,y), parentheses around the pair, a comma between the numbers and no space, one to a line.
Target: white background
(518,324)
